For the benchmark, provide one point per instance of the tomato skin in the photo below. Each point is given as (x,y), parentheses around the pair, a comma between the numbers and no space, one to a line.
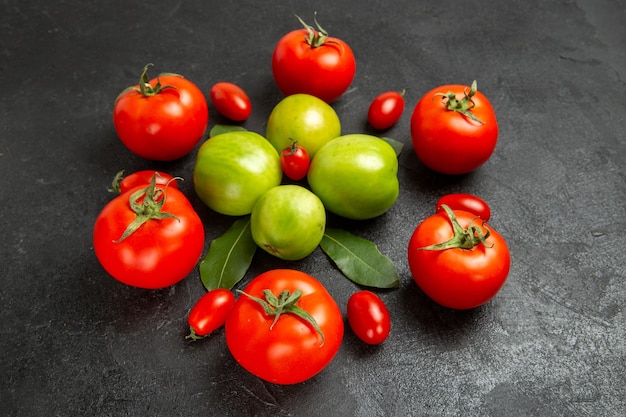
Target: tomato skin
(165,126)
(385,110)
(457,278)
(159,253)
(144,177)
(295,162)
(290,352)
(368,317)
(210,312)
(467,202)
(447,141)
(325,71)
(231,101)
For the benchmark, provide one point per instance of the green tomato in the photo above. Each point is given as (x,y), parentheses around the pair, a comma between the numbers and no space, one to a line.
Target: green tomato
(305,119)
(234,169)
(288,222)
(355,176)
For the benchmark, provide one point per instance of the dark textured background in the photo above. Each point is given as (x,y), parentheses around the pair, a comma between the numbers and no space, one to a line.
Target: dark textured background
(73,341)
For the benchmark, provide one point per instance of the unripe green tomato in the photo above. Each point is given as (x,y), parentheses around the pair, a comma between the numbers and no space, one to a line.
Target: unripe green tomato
(355,176)
(288,222)
(234,169)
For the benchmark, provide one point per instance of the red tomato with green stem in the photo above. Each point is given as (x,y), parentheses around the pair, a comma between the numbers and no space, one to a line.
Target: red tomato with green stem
(458,260)
(285,327)
(311,62)
(295,161)
(210,313)
(231,101)
(161,119)
(368,317)
(467,202)
(386,109)
(149,237)
(122,183)
(454,129)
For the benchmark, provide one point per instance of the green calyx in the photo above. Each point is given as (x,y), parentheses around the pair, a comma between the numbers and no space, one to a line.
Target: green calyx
(463,238)
(145,88)
(464,105)
(314,38)
(147,204)
(285,303)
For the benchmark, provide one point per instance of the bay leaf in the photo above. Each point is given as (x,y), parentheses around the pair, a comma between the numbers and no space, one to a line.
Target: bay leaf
(395,144)
(229,257)
(359,259)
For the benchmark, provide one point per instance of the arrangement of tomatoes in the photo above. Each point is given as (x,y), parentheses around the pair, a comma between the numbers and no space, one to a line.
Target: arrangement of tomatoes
(284,326)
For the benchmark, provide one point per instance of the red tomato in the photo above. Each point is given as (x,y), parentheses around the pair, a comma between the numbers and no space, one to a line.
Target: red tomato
(309,61)
(122,184)
(458,277)
(467,202)
(285,348)
(295,161)
(148,237)
(368,317)
(210,312)
(231,101)
(385,110)
(454,129)
(161,119)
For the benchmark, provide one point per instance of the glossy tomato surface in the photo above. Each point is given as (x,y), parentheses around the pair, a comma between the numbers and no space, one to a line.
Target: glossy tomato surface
(165,124)
(457,278)
(467,202)
(447,141)
(210,312)
(231,101)
(295,161)
(324,71)
(159,253)
(143,178)
(291,350)
(368,317)
(385,110)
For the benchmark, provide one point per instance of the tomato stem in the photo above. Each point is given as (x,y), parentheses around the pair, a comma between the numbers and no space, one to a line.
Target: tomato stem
(463,238)
(147,204)
(285,303)
(314,38)
(464,105)
(145,88)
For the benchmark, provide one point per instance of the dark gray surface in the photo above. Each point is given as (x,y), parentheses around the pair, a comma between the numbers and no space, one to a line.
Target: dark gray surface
(74,341)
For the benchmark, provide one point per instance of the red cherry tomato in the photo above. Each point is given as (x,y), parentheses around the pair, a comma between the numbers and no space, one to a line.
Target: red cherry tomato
(161,119)
(148,237)
(295,161)
(467,202)
(452,264)
(122,184)
(454,129)
(368,317)
(385,110)
(210,312)
(309,61)
(284,348)
(231,101)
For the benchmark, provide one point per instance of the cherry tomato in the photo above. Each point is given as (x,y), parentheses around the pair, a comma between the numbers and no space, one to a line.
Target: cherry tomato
(288,347)
(386,109)
(295,161)
(161,119)
(148,237)
(368,317)
(467,202)
(454,129)
(309,61)
(210,312)
(231,101)
(122,183)
(458,261)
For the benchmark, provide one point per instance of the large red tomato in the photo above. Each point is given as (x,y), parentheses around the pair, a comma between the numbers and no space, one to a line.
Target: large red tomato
(279,335)
(309,61)
(149,237)
(454,129)
(458,260)
(161,119)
